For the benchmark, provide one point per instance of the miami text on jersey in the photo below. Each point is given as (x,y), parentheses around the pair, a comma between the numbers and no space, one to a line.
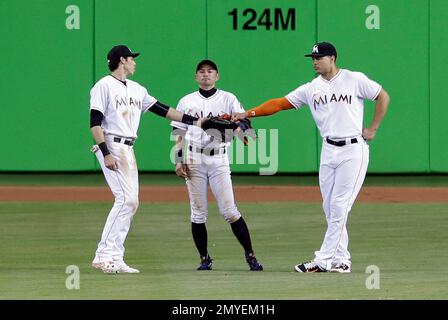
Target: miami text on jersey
(324,99)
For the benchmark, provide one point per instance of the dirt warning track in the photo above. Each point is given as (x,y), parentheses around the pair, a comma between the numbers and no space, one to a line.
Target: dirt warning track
(242,194)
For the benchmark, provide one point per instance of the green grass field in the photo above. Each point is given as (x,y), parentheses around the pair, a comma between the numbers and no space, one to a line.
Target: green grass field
(407,242)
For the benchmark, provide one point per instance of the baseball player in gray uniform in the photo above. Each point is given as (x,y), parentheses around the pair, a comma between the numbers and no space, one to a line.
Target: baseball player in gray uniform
(116,104)
(336,100)
(205,163)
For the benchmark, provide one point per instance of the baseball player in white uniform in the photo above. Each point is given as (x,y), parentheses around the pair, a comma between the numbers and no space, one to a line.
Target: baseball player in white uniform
(336,100)
(116,104)
(205,162)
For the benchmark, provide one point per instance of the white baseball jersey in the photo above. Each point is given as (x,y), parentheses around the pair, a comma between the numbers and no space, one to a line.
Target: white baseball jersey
(121,105)
(208,170)
(195,104)
(337,105)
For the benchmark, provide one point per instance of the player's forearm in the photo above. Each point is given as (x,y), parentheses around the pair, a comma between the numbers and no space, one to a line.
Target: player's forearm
(167,112)
(97,133)
(270,107)
(175,115)
(179,154)
(381,106)
(179,142)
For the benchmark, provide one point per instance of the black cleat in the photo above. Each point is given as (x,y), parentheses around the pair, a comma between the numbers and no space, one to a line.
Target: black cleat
(308,267)
(253,263)
(206,263)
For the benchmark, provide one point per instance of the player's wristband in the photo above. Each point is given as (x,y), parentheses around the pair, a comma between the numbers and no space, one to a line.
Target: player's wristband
(187,119)
(251,113)
(178,158)
(103,148)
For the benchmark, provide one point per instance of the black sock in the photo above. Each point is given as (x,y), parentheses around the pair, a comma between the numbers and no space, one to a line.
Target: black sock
(241,232)
(199,232)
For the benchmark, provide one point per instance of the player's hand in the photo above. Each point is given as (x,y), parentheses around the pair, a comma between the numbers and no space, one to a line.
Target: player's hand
(110,162)
(182,170)
(368,134)
(239,116)
(201,121)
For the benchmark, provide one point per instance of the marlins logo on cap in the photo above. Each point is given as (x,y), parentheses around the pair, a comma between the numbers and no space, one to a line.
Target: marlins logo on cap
(322,49)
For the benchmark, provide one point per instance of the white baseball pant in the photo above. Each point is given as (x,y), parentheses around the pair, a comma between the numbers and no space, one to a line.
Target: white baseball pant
(124,185)
(341,175)
(213,170)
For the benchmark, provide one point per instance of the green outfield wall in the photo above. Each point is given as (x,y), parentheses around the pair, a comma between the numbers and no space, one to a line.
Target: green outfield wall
(54,51)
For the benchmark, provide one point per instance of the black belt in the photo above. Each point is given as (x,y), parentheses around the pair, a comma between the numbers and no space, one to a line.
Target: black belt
(124,140)
(340,143)
(207,151)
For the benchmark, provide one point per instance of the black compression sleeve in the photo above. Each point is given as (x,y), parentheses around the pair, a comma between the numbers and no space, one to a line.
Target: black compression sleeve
(187,119)
(95,118)
(159,109)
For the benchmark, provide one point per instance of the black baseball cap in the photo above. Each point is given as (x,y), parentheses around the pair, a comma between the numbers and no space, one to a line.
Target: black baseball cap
(322,49)
(207,62)
(120,51)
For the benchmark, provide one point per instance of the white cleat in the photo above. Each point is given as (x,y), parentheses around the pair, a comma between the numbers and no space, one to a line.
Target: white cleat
(341,268)
(124,268)
(109,267)
(113,267)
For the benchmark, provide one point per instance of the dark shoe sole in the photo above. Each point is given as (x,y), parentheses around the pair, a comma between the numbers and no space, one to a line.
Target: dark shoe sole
(297,269)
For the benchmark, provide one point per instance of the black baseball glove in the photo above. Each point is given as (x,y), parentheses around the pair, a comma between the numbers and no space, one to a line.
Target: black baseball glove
(220,123)
(228,128)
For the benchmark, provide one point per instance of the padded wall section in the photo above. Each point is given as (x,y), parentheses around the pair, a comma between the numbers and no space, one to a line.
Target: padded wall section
(438,93)
(260,46)
(388,41)
(47,72)
(170,35)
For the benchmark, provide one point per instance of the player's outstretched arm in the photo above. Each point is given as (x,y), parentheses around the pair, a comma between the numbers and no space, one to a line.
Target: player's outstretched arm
(175,115)
(382,102)
(265,109)
(167,112)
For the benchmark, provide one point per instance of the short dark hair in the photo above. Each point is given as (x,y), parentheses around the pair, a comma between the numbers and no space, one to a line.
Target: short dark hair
(207,62)
(113,65)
